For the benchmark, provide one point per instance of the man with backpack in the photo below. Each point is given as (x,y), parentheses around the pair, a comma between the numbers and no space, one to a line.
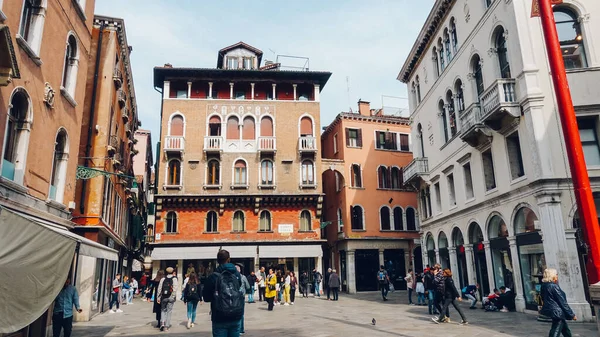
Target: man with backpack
(384,281)
(167,297)
(317,278)
(225,292)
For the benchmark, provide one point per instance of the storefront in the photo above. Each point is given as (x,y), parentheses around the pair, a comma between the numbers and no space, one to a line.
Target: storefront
(461,259)
(443,249)
(501,256)
(430,244)
(531,256)
(396,267)
(476,239)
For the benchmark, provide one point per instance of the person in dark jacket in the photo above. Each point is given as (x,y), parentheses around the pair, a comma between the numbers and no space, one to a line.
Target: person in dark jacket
(222,326)
(326,283)
(191,297)
(440,289)
(252,279)
(304,284)
(450,297)
(430,291)
(156,308)
(555,305)
(334,284)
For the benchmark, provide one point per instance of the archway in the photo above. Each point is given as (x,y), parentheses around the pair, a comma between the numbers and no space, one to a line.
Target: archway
(430,250)
(501,255)
(531,256)
(418,256)
(476,240)
(443,249)
(461,258)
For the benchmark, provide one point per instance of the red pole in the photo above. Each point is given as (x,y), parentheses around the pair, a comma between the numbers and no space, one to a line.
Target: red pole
(579,174)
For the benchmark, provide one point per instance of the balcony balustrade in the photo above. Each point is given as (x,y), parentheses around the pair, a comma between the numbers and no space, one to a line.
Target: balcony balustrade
(213,144)
(473,131)
(499,104)
(307,144)
(267,144)
(416,169)
(174,144)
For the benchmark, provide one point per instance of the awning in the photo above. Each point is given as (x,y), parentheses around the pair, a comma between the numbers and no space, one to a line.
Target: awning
(185,253)
(8,60)
(236,252)
(35,259)
(281,251)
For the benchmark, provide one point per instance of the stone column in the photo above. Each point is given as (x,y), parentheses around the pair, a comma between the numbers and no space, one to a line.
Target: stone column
(437,257)
(454,266)
(231,91)
(252,90)
(561,253)
(317,93)
(274,91)
(471,275)
(407,262)
(490,265)
(381,259)
(155,267)
(180,277)
(295,96)
(425,256)
(514,253)
(350,271)
(297,273)
(210,85)
(189,92)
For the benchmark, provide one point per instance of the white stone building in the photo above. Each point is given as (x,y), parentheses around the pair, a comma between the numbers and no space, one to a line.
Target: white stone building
(495,198)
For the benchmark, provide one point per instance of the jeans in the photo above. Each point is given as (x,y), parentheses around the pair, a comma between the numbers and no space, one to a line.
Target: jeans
(420,298)
(242,330)
(292,294)
(559,326)
(304,290)
(129,295)
(454,303)
(328,290)
(114,298)
(410,291)
(385,288)
(317,289)
(191,311)
(166,307)
(261,293)
(439,304)
(430,302)
(472,299)
(335,291)
(226,329)
(270,303)
(58,323)
(286,294)
(251,295)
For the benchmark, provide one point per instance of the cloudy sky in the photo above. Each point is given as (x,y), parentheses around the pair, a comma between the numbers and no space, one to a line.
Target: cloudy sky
(363,43)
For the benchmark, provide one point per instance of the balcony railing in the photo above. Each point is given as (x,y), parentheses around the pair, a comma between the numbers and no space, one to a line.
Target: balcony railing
(267,144)
(213,144)
(416,168)
(470,117)
(499,104)
(174,144)
(307,144)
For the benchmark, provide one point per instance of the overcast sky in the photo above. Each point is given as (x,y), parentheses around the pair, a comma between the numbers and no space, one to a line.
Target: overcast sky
(363,43)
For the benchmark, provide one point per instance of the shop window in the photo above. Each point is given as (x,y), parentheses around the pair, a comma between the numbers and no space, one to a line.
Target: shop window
(212,222)
(171,222)
(305,221)
(515,159)
(488,170)
(356,176)
(265,221)
(239,221)
(384,218)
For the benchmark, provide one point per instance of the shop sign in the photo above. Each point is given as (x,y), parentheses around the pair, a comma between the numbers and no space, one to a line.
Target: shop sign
(285,229)
(157,236)
(111,243)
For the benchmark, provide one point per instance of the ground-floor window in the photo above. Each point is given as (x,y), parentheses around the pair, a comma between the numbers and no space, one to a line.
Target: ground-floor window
(533,263)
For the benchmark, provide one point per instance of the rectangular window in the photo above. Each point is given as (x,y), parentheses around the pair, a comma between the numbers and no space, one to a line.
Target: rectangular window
(468,181)
(181,94)
(232,63)
(404,146)
(515,159)
(335,142)
(353,137)
(248,63)
(488,169)
(386,140)
(426,202)
(438,198)
(106,200)
(451,191)
(589,140)
(240,176)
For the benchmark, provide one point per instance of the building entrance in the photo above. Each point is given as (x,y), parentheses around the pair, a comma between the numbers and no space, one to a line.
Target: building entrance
(366,267)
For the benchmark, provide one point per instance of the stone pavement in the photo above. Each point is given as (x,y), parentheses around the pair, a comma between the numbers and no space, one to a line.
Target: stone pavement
(350,316)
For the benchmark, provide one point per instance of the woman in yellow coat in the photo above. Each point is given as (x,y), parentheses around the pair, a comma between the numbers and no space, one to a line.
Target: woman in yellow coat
(270,292)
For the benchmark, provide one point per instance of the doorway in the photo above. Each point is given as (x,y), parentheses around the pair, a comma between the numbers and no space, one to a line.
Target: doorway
(366,267)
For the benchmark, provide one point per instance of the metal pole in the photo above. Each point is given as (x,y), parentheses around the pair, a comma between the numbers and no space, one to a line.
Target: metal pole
(579,174)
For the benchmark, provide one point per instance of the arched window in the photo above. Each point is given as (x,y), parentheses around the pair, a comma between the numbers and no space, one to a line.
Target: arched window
(421,140)
(59,167)
(70,66)
(32,24)
(385,218)
(411,221)
(306,127)
(305,221)
(174,177)
(436,65)
(475,233)
(525,221)
(212,222)
(502,53)
(239,221)
(214,172)
(570,37)
(444,120)
(398,221)
(356,176)
(308,172)
(233,128)
(414,93)
(451,113)
(266,172)
(447,45)
(266,127)
(441,53)
(454,35)
(497,228)
(177,126)
(460,96)
(396,174)
(383,177)
(357,217)
(418,89)
(17,137)
(240,173)
(214,126)
(265,221)
(171,223)
(478,74)
(339,220)
(248,129)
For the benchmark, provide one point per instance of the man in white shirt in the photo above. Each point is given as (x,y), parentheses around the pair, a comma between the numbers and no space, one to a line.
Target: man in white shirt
(261,277)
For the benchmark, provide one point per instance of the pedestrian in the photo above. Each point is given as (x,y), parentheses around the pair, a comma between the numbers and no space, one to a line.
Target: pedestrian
(281,278)
(293,286)
(252,281)
(555,305)
(410,284)
(470,292)
(115,294)
(167,297)
(428,282)
(262,286)
(62,315)
(223,289)
(185,281)
(440,290)
(384,282)
(190,269)
(191,297)
(155,296)
(334,284)
(134,287)
(246,287)
(271,289)
(304,284)
(420,289)
(317,278)
(450,297)
(143,285)
(326,283)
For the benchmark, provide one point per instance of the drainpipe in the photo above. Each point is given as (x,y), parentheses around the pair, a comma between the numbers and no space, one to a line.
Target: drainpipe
(88,145)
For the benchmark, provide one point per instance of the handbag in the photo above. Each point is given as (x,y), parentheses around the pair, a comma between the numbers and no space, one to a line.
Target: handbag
(392,289)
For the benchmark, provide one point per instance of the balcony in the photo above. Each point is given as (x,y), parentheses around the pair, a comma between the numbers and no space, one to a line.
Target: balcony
(117,160)
(118,77)
(113,144)
(473,131)
(125,114)
(121,97)
(416,170)
(213,144)
(267,144)
(307,144)
(499,105)
(128,129)
(174,144)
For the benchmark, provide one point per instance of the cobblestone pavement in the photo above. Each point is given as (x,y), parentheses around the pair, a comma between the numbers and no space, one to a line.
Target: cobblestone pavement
(317,317)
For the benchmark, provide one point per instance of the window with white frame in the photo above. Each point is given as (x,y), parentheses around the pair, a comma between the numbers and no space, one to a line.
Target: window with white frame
(182,93)
(264,224)
(451,190)
(356,176)
(385,218)
(171,222)
(353,137)
(515,158)
(425,196)
(570,36)
(18,125)
(383,177)
(266,173)
(411,219)
(398,220)
(488,169)
(308,172)
(213,176)
(588,133)
(174,173)
(107,200)
(396,175)
(212,221)
(59,167)
(248,63)
(438,197)
(305,221)
(339,220)
(239,221)
(356,212)
(393,141)
(469,194)
(32,25)
(240,173)
(232,62)
(70,67)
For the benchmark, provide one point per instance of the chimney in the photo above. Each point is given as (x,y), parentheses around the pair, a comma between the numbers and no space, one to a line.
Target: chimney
(168,65)
(364,108)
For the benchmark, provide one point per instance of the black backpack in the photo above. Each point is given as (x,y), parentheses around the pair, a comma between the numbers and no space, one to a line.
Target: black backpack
(192,293)
(167,288)
(229,295)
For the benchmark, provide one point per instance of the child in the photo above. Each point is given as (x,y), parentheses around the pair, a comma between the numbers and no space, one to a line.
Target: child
(420,290)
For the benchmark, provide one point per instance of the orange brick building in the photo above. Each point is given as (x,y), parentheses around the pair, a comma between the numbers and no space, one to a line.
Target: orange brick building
(371,217)
(239,164)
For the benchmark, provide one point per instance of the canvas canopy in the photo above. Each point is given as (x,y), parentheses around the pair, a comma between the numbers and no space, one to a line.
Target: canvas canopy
(35,258)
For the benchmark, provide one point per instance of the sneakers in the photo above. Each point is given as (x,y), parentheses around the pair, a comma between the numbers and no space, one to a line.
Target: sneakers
(111,311)
(292,303)
(435,320)
(286,303)
(463,323)
(504,310)
(192,325)
(189,324)
(447,320)
(119,310)
(162,328)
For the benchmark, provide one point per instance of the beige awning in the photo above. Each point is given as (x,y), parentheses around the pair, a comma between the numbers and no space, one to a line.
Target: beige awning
(9,68)
(185,253)
(282,251)
(238,252)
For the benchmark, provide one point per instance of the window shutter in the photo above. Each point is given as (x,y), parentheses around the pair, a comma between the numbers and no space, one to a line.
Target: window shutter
(347,137)
(359,137)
